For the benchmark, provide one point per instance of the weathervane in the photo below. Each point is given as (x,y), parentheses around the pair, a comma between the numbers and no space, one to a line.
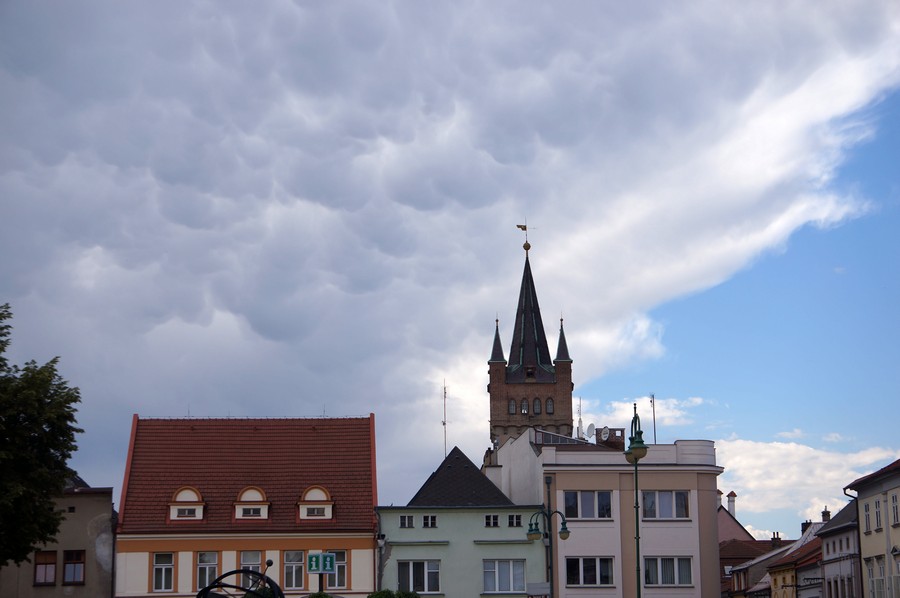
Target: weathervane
(524,228)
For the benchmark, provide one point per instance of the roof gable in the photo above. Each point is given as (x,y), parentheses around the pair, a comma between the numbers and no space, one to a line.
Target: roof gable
(457,482)
(221,457)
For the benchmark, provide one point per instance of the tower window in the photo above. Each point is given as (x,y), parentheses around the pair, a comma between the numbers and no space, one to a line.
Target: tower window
(512,406)
(549,406)
(524,406)
(537,406)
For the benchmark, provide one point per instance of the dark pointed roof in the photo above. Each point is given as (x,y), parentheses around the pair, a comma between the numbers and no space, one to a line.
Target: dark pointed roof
(458,483)
(562,350)
(497,352)
(528,353)
(847,517)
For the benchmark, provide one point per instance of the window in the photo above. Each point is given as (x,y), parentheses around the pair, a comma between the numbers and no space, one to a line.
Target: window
(163,571)
(251,504)
(866,512)
(588,504)
(45,568)
(666,504)
(293,569)
(589,571)
(252,560)
(73,567)
(524,406)
(895,510)
(512,406)
(491,521)
(429,521)
(186,503)
(537,406)
(207,568)
(406,521)
(185,512)
(515,521)
(667,571)
(549,406)
(338,579)
(315,503)
(877,514)
(504,576)
(315,511)
(419,576)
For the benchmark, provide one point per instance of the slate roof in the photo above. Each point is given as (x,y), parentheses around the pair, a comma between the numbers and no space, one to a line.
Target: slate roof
(220,457)
(458,482)
(801,555)
(529,343)
(845,518)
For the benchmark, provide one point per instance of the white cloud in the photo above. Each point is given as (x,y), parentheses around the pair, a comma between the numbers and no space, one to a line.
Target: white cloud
(793,434)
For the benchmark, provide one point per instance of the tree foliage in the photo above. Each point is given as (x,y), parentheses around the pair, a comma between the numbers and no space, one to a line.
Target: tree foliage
(37,438)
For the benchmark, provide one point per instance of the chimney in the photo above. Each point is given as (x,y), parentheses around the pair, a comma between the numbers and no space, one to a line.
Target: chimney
(776,540)
(718,498)
(805,525)
(731,497)
(826,515)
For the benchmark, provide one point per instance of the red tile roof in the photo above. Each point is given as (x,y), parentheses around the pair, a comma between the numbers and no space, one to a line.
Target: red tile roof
(220,457)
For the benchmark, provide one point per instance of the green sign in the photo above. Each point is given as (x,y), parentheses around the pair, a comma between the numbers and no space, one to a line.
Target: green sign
(322,562)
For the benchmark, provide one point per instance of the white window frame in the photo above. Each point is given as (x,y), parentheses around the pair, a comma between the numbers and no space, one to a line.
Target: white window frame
(407,521)
(867,518)
(429,521)
(430,570)
(653,570)
(579,511)
(206,571)
(294,570)
(338,579)
(877,514)
(656,503)
(492,521)
(503,575)
(610,567)
(895,510)
(163,573)
(514,521)
(246,562)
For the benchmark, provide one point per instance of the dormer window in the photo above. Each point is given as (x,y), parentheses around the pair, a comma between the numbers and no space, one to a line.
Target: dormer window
(315,503)
(186,505)
(251,504)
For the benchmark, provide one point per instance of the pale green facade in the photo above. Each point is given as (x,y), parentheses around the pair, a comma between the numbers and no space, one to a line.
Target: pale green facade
(465,545)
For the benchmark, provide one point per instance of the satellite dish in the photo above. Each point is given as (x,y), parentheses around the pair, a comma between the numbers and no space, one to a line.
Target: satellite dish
(604,433)
(590,430)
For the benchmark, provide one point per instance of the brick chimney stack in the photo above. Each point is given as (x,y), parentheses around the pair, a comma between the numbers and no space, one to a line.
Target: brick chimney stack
(826,515)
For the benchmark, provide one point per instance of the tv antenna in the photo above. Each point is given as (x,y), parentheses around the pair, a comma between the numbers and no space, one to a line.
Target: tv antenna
(444,421)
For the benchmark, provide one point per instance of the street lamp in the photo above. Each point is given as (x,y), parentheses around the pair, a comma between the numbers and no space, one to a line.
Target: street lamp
(535,533)
(637,450)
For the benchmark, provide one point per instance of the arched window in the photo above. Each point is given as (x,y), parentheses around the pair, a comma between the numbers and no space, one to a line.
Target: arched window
(186,504)
(512,406)
(524,406)
(315,503)
(549,406)
(251,504)
(537,406)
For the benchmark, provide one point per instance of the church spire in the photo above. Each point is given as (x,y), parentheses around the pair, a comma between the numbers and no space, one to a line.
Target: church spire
(562,350)
(497,352)
(529,355)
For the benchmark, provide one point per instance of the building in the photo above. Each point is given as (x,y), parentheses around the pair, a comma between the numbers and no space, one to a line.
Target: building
(878,512)
(535,459)
(207,496)
(797,573)
(736,544)
(757,578)
(529,390)
(840,554)
(80,562)
(459,536)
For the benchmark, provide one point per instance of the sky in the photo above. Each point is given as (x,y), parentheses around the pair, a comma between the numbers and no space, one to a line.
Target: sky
(308,209)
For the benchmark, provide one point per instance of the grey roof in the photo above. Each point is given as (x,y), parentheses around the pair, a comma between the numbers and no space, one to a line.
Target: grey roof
(562,349)
(529,355)
(459,483)
(847,517)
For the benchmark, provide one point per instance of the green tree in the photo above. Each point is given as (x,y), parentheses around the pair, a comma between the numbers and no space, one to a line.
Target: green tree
(37,437)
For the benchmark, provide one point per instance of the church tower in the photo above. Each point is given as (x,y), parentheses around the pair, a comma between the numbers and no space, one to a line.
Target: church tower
(530,390)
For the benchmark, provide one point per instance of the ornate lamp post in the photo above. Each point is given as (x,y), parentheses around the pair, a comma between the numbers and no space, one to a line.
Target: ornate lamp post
(636,451)
(535,533)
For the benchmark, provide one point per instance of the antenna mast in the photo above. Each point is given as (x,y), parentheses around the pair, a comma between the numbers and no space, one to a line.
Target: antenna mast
(653,405)
(444,421)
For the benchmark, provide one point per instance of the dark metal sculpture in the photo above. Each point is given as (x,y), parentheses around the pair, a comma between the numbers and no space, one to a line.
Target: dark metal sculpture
(242,583)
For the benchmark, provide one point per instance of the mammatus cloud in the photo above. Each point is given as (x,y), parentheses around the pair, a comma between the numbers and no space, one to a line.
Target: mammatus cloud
(298,210)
